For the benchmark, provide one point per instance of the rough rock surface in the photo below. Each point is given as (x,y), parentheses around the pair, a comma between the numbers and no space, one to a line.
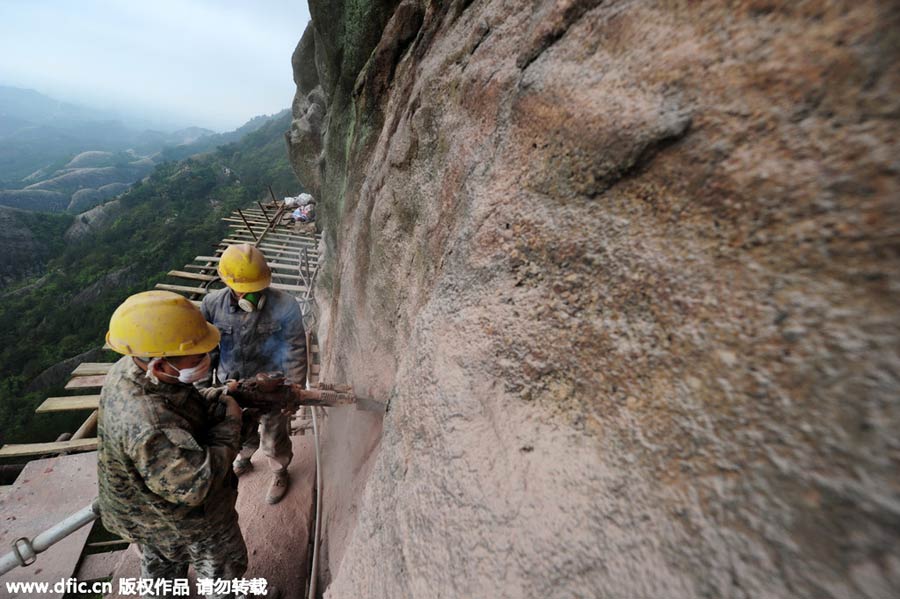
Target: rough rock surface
(58,374)
(91,159)
(85,199)
(627,273)
(120,278)
(22,253)
(91,220)
(71,180)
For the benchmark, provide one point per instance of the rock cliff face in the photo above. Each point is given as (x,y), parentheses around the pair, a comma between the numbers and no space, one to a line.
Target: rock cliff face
(85,199)
(23,251)
(92,220)
(58,374)
(627,273)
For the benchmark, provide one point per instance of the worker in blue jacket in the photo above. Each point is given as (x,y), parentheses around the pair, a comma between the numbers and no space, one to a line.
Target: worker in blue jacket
(261,331)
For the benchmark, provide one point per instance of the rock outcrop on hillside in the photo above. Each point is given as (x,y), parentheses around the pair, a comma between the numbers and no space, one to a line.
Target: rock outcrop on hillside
(76,190)
(91,159)
(627,274)
(69,181)
(85,199)
(58,374)
(22,254)
(76,187)
(92,220)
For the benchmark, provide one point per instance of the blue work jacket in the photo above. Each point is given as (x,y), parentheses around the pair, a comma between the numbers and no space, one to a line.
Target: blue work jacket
(266,340)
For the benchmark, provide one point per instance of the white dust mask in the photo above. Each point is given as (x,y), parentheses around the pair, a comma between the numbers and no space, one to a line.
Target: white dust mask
(194,373)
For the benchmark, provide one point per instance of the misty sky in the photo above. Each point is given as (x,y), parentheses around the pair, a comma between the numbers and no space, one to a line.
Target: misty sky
(211,63)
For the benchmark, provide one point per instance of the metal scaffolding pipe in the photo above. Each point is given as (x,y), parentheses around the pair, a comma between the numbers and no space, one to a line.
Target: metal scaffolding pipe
(314,566)
(249,228)
(25,550)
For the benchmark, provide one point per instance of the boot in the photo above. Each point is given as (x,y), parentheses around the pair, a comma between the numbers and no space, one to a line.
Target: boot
(242,466)
(279,487)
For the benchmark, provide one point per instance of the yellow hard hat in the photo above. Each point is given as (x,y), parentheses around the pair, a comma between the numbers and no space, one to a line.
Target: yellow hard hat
(153,324)
(243,268)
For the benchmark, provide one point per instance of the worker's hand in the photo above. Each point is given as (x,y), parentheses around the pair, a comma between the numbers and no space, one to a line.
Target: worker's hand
(226,431)
(211,394)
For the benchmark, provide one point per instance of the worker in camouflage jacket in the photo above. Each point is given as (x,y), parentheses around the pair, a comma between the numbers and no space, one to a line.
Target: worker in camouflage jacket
(164,449)
(262,331)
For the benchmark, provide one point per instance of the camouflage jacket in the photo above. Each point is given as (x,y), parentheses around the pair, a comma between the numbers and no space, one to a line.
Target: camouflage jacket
(265,340)
(164,468)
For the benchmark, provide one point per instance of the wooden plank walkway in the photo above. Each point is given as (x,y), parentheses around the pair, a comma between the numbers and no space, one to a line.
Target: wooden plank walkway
(34,504)
(97,566)
(21,450)
(287,240)
(69,403)
(292,267)
(86,402)
(86,382)
(195,276)
(205,290)
(192,276)
(285,231)
(92,368)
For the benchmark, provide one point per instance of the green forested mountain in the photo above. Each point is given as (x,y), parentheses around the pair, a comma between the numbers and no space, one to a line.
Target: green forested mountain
(159,224)
(39,135)
(27,240)
(57,157)
(210,142)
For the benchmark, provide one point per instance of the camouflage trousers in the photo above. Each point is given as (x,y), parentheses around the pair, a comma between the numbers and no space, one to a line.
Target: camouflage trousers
(222,556)
(270,431)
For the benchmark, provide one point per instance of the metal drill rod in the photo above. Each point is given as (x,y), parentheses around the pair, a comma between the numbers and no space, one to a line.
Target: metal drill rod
(269,391)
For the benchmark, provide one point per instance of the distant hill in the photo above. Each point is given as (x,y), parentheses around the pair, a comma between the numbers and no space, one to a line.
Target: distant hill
(37,132)
(57,157)
(210,142)
(30,106)
(27,240)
